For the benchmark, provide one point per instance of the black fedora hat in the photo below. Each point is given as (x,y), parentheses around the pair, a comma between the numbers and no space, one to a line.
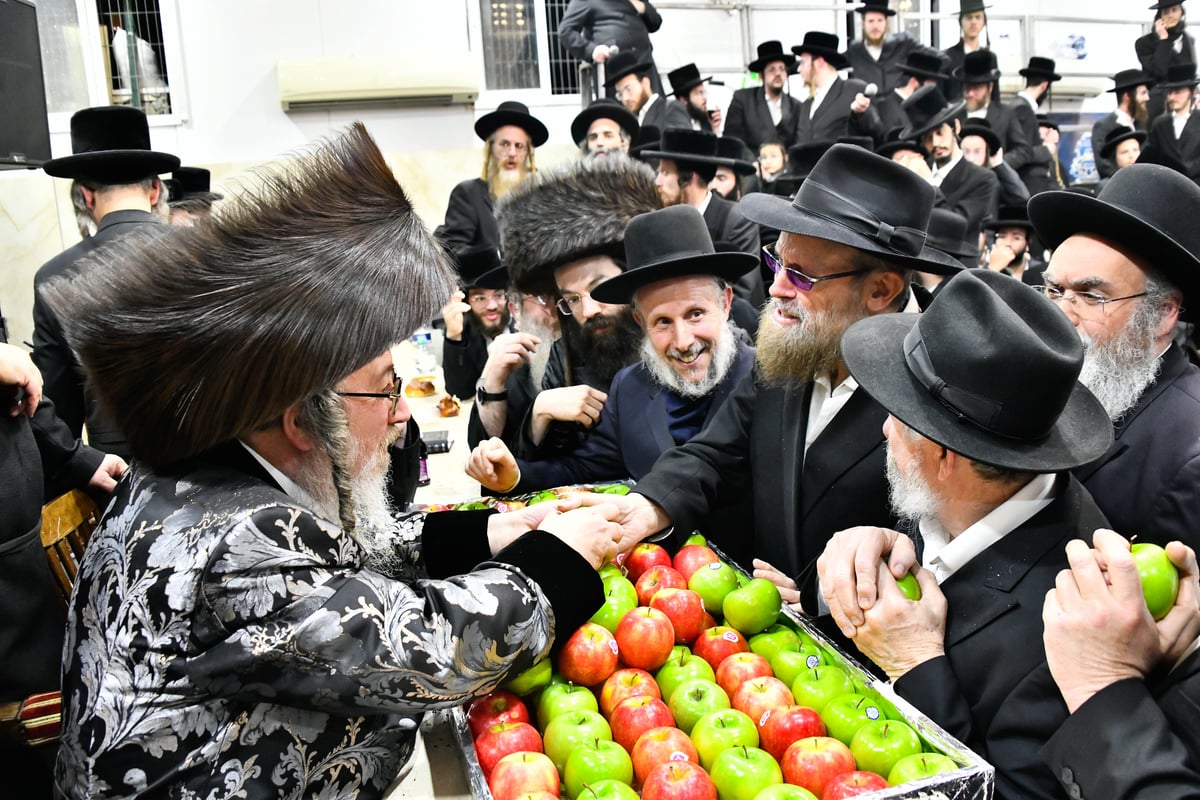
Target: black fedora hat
(803,157)
(990,370)
(1046,121)
(1118,135)
(1039,67)
(603,108)
(924,65)
(825,45)
(625,62)
(686,78)
(861,200)
(981,128)
(771,51)
(1166,4)
(1129,79)
(971,6)
(927,110)
(948,233)
(893,143)
(648,137)
(978,67)
(1148,209)
(671,242)
(685,146)
(1014,216)
(110,145)
(511,112)
(734,151)
(1180,76)
(875,5)
(191,183)
(480,267)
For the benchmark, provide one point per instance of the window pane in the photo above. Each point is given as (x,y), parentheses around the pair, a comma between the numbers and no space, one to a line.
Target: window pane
(133,32)
(62,56)
(510,56)
(564,70)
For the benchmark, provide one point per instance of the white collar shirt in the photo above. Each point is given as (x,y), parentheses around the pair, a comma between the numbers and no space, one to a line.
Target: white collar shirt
(1179,121)
(940,173)
(289,486)
(774,107)
(704,203)
(818,97)
(824,405)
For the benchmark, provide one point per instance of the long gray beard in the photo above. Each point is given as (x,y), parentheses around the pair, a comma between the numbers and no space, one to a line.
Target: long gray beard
(662,373)
(1120,370)
(794,355)
(541,354)
(910,496)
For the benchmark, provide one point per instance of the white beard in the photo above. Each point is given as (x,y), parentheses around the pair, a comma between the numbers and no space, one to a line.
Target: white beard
(910,495)
(665,375)
(1120,370)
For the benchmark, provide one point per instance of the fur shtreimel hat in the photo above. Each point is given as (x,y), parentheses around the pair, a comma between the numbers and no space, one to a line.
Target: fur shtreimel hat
(206,334)
(569,212)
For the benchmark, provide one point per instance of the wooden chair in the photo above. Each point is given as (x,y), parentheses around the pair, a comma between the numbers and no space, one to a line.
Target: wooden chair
(67,523)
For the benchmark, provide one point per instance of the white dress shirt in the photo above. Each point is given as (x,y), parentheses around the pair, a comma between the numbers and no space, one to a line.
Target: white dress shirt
(824,405)
(289,486)
(774,107)
(1179,121)
(940,173)
(818,95)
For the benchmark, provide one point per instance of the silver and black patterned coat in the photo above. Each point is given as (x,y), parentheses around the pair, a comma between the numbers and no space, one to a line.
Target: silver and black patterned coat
(225,642)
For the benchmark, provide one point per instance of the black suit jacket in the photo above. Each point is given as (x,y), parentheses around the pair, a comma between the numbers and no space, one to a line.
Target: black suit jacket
(1100,131)
(884,73)
(1018,150)
(992,688)
(470,218)
(667,113)
(463,361)
(1185,149)
(1133,740)
(749,119)
(1035,163)
(727,224)
(953,55)
(970,191)
(1156,55)
(589,23)
(833,118)
(754,447)
(1148,483)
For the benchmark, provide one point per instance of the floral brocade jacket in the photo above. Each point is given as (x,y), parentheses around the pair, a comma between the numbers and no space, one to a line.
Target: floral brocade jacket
(225,642)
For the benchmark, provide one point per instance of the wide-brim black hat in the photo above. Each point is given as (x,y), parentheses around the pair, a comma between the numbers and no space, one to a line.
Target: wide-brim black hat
(1129,79)
(188,183)
(684,146)
(1146,209)
(924,65)
(734,150)
(625,62)
(889,149)
(1040,67)
(980,128)
(672,242)
(1117,136)
(971,6)
(686,78)
(948,233)
(979,66)
(803,157)
(825,45)
(480,267)
(771,51)
(110,145)
(511,112)
(603,108)
(875,5)
(1016,216)
(648,137)
(1180,76)
(1166,4)
(927,110)
(990,371)
(856,198)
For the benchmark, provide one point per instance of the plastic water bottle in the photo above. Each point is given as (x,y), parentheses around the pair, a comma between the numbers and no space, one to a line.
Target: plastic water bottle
(425,362)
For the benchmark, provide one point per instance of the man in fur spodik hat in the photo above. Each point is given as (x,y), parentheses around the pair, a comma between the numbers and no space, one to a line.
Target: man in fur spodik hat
(250,615)
(800,438)
(986,419)
(589,203)
(116,174)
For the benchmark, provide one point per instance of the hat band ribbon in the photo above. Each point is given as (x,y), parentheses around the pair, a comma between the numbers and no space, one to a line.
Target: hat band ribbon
(982,412)
(824,202)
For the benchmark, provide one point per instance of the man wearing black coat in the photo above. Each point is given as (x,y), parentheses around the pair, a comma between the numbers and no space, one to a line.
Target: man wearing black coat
(979,75)
(837,107)
(1168,45)
(1132,89)
(591,29)
(765,113)
(630,78)
(471,326)
(877,57)
(919,69)
(972,23)
(1125,263)
(1177,132)
(1039,168)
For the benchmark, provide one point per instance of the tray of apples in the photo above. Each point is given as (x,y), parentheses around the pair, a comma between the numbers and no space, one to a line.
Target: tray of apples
(516,501)
(693,683)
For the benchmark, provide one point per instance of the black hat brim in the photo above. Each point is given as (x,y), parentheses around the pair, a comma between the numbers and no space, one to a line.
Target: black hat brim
(488,124)
(997,224)
(1058,215)
(1110,145)
(727,266)
(948,114)
(923,73)
(684,158)
(885,11)
(759,64)
(973,78)
(112,166)
(494,278)
(617,113)
(1190,83)
(629,69)
(1037,73)
(780,214)
(873,350)
(838,60)
(890,149)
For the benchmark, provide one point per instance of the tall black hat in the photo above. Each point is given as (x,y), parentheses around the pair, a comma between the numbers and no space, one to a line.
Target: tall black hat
(772,51)
(191,183)
(825,45)
(978,67)
(511,112)
(110,145)
(1180,76)
(924,65)
(480,267)
(685,146)
(927,110)
(1039,67)
(625,62)
(1014,216)
(686,78)
(735,152)
(875,5)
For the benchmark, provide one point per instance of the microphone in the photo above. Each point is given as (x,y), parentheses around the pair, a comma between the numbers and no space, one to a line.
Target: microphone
(870,90)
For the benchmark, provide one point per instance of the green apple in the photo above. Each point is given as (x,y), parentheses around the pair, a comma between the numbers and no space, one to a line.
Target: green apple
(878,745)
(694,699)
(594,761)
(785,791)
(712,582)
(571,731)
(788,665)
(1160,578)
(608,570)
(816,687)
(536,677)
(608,790)
(775,638)
(695,538)
(742,578)
(844,715)
(740,773)
(680,670)
(919,767)
(560,698)
(909,587)
(620,597)
(716,732)
(680,650)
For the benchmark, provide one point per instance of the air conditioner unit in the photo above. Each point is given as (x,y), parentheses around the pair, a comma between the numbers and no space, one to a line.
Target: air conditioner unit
(427,79)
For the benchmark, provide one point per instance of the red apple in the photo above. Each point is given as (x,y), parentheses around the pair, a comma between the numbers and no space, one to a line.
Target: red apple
(678,780)
(504,738)
(692,557)
(811,763)
(645,638)
(589,656)
(718,642)
(655,579)
(852,784)
(519,774)
(757,696)
(499,706)
(643,557)
(685,610)
(660,746)
(625,683)
(739,668)
(779,727)
(634,716)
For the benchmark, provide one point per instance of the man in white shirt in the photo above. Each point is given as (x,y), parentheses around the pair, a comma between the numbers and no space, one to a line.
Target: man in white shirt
(985,419)
(1176,133)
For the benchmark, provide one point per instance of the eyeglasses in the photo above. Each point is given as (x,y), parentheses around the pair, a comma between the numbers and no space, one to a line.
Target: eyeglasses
(483,298)
(627,90)
(1088,299)
(569,304)
(394,395)
(797,278)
